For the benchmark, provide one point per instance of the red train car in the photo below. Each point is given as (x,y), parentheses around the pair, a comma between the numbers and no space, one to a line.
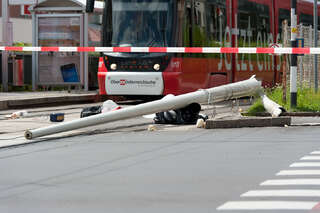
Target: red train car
(190,23)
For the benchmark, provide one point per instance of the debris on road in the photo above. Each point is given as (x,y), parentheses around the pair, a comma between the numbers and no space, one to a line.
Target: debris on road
(185,115)
(17,114)
(107,106)
(201,123)
(57,117)
(152,128)
(89,111)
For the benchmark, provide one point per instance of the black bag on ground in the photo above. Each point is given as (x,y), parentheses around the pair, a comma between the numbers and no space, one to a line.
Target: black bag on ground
(88,111)
(186,115)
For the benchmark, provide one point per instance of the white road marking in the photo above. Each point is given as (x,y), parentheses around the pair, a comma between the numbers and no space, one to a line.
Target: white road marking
(282,193)
(306,164)
(310,158)
(298,172)
(278,193)
(286,182)
(267,205)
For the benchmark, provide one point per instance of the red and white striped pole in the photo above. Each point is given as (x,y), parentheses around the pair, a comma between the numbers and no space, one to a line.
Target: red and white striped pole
(293,66)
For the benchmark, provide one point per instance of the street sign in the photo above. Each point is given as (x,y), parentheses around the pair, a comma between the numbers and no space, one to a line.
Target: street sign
(25,10)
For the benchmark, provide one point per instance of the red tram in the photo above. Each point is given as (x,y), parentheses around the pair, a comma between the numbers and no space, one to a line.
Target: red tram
(190,23)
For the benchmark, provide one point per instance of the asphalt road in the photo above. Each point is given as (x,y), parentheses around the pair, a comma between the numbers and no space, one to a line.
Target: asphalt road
(177,169)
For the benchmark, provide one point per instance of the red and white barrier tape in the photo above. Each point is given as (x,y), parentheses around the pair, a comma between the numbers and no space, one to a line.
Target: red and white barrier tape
(250,50)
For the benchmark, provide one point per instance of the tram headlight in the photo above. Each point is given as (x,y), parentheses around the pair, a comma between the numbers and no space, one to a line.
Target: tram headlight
(113,66)
(156,67)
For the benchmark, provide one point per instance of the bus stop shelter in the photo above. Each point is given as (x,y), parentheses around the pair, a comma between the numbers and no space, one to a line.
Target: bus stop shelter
(60,23)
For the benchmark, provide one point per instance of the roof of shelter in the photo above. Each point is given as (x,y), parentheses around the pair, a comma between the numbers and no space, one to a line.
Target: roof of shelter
(97,4)
(65,3)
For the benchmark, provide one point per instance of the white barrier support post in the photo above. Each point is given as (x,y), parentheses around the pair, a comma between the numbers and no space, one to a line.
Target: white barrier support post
(293,67)
(5,37)
(315,62)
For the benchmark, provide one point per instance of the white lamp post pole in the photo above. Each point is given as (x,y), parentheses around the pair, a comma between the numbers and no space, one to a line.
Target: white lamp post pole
(5,37)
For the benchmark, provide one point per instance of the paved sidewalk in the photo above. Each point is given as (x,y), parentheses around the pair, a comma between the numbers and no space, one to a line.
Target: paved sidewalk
(21,100)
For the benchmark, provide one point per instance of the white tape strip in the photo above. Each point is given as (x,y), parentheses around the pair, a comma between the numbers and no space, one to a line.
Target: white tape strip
(314,50)
(104,49)
(68,49)
(283,50)
(247,50)
(140,49)
(34,49)
(211,50)
(175,49)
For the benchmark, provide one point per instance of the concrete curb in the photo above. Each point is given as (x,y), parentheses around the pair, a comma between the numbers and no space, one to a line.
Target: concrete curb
(45,101)
(296,114)
(248,122)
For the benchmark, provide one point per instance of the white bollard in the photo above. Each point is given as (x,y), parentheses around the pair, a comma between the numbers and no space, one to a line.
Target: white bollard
(235,90)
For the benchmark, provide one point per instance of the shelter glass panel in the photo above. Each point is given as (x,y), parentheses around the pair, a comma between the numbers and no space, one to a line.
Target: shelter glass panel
(55,68)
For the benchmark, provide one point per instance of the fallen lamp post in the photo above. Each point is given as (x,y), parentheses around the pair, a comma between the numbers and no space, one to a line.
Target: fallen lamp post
(271,107)
(239,89)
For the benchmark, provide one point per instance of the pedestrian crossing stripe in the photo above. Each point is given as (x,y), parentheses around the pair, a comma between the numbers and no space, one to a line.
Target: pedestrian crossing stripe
(315,153)
(305,164)
(282,193)
(288,182)
(268,205)
(298,172)
(310,158)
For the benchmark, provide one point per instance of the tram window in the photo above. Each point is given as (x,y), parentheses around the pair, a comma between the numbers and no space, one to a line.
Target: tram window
(199,11)
(216,22)
(179,32)
(255,18)
(139,23)
(107,24)
(306,19)
(188,35)
(199,24)
(284,14)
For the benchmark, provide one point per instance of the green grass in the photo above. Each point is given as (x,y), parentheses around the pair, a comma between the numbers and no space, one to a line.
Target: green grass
(307,100)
